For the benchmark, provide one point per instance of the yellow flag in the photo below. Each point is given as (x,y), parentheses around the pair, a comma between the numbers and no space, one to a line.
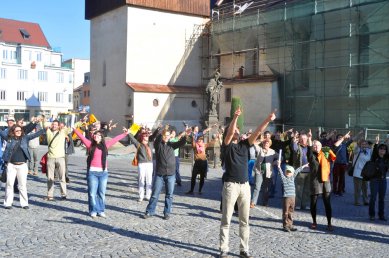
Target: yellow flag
(134,128)
(74,136)
(92,119)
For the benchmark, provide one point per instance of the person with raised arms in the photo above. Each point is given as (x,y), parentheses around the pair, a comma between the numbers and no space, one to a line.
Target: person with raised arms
(236,187)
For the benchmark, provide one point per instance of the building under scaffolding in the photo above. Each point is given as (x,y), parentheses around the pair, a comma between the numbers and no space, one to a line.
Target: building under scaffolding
(330,57)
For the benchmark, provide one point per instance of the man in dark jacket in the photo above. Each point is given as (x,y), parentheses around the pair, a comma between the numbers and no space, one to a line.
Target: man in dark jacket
(165,172)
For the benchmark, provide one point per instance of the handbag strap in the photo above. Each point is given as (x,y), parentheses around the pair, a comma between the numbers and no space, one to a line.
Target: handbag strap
(357,157)
(137,149)
(52,140)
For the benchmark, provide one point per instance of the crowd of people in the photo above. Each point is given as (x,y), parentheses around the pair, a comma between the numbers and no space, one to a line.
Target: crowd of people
(252,163)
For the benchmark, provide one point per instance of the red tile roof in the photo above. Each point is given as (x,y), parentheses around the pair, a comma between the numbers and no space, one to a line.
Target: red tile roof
(158,88)
(10,33)
(79,88)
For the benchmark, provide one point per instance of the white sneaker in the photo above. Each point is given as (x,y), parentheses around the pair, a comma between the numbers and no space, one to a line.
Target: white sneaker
(93,215)
(102,215)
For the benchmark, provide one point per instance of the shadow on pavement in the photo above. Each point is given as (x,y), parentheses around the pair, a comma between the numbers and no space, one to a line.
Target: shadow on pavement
(141,236)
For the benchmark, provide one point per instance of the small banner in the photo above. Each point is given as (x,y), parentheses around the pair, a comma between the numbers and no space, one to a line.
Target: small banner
(134,128)
(92,119)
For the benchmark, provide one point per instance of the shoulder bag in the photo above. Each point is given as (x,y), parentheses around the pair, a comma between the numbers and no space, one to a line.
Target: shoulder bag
(3,177)
(135,160)
(350,169)
(43,161)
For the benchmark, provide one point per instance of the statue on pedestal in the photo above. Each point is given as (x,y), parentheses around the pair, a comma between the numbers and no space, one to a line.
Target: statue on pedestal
(213,92)
(213,96)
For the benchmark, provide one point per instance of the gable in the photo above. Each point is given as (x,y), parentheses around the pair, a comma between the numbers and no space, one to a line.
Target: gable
(20,32)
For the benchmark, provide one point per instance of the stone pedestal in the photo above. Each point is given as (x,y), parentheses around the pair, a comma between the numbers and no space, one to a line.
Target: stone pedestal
(213,143)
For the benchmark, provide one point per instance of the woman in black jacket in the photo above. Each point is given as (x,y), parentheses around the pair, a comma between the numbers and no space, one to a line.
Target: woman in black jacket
(16,155)
(378,184)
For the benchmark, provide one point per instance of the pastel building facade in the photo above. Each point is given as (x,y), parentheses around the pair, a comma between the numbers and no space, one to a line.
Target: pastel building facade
(32,78)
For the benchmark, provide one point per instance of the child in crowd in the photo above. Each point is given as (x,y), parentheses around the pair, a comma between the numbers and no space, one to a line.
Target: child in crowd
(289,194)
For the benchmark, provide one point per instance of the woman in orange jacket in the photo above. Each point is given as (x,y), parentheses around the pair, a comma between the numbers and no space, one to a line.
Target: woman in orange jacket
(319,162)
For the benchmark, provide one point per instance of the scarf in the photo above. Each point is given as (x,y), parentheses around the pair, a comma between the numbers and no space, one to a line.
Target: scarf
(200,147)
(104,154)
(148,150)
(324,159)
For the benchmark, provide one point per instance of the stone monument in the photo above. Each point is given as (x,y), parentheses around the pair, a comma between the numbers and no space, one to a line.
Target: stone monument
(213,96)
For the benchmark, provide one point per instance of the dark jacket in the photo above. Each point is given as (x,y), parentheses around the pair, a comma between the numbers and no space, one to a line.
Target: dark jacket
(23,144)
(278,145)
(297,155)
(69,145)
(165,158)
(381,163)
(29,127)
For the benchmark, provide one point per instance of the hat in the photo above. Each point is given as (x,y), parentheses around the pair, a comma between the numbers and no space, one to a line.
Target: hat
(11,118)
(290,168)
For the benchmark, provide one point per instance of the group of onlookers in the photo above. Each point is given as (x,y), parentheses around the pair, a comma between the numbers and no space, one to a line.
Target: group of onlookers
(322,165)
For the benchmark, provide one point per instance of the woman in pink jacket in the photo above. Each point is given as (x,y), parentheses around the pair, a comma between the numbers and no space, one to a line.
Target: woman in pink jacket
(97,171)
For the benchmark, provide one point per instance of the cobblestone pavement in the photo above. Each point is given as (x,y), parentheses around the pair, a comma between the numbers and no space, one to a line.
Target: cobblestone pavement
(64,229)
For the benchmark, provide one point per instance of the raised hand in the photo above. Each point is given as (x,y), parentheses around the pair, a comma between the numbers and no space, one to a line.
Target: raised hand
(309,134)
(238,111)
(272,115)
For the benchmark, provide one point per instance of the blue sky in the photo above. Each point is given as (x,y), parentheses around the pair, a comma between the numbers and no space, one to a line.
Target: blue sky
(62,22)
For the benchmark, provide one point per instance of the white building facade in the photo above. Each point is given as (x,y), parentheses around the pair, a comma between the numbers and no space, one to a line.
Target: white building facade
(32,79)
(79,67)
(146,46)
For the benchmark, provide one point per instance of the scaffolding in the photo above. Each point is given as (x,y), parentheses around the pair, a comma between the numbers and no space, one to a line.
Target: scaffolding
(331,57)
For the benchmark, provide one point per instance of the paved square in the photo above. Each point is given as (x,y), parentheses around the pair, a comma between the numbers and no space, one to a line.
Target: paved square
(64,229)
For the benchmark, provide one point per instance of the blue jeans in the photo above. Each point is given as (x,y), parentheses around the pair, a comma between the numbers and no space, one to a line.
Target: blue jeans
(158,183)
(251,166)
(273,181)
(178,176)
(97,186)
(257,188)
(377,187)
